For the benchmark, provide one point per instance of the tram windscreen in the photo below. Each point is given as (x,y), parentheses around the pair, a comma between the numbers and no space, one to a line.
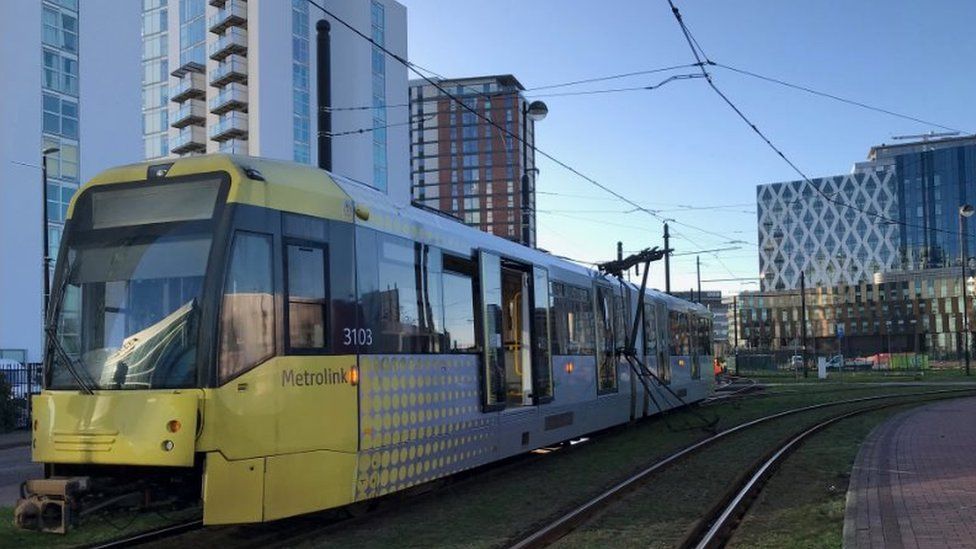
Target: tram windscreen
(127,309)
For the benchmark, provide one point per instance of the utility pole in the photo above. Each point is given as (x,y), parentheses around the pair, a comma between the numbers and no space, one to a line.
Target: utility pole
(667,260)
(803,319)
(965,211)
(698,269)
(735,331)
(45,252)
(323,45)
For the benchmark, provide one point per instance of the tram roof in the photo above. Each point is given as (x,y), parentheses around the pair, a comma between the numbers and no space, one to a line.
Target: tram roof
(310,190)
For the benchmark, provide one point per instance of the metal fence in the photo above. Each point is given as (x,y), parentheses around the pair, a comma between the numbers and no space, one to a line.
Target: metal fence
(22,381)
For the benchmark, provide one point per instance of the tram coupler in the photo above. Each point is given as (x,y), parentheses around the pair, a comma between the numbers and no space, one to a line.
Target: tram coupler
(51,504)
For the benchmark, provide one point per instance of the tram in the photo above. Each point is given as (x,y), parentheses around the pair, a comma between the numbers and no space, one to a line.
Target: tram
(271,340)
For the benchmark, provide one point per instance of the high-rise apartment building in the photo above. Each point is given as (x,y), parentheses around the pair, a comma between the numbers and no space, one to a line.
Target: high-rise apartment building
(210,75)
(239,76)
(464,166)
(71,89)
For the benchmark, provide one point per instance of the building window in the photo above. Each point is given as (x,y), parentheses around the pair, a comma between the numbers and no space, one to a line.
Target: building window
(64,163)
(301,110)
(155,79)
(378,34)
(60,116)
(192,32)
(60,29)
(60,73)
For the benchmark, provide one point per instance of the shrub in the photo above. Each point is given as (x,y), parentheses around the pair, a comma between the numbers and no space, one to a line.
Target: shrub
(8,407)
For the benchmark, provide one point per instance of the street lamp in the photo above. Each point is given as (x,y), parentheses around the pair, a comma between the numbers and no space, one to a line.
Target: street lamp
(966,210)
(536,110)
(46,253)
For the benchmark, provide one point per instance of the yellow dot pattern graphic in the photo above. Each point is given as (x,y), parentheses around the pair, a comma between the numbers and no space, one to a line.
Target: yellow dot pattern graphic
(420,418)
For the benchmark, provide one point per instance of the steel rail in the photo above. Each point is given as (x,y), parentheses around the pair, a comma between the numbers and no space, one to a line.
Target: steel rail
(150,535)
(724,524)
(569,521)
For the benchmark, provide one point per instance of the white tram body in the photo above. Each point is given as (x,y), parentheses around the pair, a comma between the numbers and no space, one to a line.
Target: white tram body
(286,341)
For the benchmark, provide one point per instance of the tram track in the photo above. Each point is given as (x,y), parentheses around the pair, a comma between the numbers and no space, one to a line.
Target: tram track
(289,532)
(155,534)
(750,481)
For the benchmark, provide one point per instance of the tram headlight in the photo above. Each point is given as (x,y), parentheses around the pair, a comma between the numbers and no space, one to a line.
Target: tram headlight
(174,425)
(167,445)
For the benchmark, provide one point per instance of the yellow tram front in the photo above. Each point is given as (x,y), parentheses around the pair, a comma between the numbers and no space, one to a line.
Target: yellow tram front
(163,371)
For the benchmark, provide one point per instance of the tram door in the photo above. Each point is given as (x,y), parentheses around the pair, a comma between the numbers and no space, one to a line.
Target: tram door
(506,288)
(515,328)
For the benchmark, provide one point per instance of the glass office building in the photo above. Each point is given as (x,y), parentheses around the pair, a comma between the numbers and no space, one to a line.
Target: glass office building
(932,182)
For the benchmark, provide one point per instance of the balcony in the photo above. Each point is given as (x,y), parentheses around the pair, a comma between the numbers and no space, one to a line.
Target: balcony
(231,69)
(187,67)
(234,146)
(230,125)
(192,84)
(193,111)
(218,3)
(233,97)
(232,14)
(232,41)
(189,139)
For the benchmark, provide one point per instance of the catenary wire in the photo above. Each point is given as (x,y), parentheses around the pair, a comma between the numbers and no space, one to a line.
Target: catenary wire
(420,72)
(708,78)
(539,88)
(834,97)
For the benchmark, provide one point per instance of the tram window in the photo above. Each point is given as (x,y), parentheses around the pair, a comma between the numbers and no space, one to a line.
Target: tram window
(459,317)
(650,329)
(307,297)
(677,325)
(705,336)
(621,326)
(305,227)
(399,290)
(606,356)
(573,324)
(541,333)
(247,308)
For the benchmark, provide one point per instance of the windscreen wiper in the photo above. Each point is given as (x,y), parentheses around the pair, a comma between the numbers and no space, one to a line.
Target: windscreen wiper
(52,337)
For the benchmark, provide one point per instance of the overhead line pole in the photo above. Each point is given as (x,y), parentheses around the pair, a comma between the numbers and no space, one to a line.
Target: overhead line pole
(667,260)
(698,269)
(803,318)
(735,330)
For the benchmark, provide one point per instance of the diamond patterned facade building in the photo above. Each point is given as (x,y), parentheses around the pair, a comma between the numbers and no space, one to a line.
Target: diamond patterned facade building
(895,211)
(805,227)
(880,249)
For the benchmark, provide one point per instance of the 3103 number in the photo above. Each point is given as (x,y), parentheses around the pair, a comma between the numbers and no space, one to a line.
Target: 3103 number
(353,336)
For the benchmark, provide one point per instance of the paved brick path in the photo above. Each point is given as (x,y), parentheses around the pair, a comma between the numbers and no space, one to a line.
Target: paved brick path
(914,481)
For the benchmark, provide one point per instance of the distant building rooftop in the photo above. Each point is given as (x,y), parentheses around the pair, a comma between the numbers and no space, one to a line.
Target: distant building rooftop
(885,150)
(505,80)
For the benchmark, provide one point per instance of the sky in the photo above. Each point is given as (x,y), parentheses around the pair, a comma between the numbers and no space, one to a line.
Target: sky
(680,145)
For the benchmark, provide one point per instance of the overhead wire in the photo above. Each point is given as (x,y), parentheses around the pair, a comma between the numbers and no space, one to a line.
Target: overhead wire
(420,72)
(834,97)
(546,87)
(703,61)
